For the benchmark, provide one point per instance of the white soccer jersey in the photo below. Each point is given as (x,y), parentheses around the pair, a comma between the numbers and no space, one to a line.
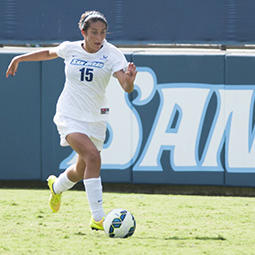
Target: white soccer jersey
(87,76)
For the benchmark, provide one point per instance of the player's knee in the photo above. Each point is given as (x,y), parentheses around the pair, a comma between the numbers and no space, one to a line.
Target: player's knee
(93,158)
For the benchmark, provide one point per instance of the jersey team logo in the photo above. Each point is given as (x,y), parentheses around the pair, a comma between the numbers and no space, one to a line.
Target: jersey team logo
(81,62)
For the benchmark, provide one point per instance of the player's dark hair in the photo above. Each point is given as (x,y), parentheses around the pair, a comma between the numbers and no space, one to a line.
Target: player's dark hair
(89,17)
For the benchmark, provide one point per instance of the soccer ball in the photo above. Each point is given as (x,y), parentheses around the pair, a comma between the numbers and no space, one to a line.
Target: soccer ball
(119,223)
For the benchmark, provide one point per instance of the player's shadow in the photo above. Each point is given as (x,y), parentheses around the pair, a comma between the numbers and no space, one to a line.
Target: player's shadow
(202,238)
(177,238)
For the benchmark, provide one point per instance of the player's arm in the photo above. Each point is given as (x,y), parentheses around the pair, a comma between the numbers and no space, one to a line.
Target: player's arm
(126,78)
(33,56)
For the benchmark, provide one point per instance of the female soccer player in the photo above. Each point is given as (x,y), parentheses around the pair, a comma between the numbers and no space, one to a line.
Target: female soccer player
(81,112)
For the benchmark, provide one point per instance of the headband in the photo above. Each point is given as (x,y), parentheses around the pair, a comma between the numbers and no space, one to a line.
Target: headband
(93,15)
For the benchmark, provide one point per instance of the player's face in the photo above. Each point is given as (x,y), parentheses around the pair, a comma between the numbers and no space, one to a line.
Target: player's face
(94,36)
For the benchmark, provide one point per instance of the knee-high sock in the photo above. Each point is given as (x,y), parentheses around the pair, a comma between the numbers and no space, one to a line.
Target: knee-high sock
(94,190)
(62,183)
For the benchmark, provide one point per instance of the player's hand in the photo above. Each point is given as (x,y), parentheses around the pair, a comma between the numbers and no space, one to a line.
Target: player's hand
(12,68)
(126,78)
(131,73)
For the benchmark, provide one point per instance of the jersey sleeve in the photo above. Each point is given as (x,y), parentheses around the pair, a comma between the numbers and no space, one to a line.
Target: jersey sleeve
(61,49)
(119,61)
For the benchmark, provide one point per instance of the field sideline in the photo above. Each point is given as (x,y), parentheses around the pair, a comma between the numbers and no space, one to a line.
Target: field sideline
(166,224)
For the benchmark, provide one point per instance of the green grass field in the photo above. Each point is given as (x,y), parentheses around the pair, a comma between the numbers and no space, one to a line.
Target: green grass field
(166,224)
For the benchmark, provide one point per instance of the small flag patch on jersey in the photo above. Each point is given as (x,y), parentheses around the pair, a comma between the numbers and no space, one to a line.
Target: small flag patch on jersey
(105,110)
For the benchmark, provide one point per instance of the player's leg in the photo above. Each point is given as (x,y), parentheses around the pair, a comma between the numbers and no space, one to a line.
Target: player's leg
(70,177)
(76,172)
(89,153)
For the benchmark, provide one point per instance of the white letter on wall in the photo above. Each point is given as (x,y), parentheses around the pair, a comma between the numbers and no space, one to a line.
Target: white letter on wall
(125,124)
(182,141)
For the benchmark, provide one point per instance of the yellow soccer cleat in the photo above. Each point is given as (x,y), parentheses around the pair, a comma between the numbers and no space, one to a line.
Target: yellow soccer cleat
(96,225)
(55,199)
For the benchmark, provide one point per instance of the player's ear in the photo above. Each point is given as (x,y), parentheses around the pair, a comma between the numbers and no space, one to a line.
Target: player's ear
(83,33)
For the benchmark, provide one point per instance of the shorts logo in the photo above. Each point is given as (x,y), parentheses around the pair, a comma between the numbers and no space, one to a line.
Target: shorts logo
(105,110)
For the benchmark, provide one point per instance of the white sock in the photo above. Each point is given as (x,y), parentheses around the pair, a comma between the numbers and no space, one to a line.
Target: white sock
(94,190)
(62,183)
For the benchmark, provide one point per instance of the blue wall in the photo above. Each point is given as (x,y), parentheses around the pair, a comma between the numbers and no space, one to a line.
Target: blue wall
(218,82)
(175,21)
(20,146)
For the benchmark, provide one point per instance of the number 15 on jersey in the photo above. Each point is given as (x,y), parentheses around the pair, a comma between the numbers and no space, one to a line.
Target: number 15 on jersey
(87,74)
